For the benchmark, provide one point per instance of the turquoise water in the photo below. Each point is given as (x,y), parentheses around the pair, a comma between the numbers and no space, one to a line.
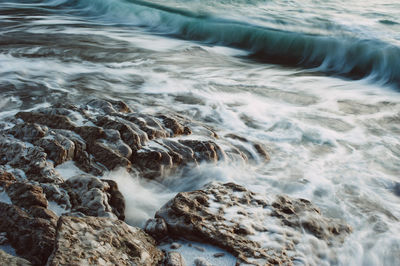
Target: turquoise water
(316,81)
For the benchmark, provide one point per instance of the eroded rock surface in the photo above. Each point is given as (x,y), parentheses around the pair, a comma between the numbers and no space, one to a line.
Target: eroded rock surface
(102,241)
(9,260)
(32,237)
(102,135)
(246,224)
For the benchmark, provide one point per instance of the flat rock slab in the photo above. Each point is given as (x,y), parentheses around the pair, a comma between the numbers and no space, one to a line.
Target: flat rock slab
(102,241)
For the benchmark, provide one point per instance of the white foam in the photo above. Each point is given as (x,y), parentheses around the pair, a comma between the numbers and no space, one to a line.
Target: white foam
(142,197)
(191,251)
(68,169)
(57,209)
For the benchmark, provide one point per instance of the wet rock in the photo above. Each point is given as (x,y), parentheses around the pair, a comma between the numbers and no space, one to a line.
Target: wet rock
(6,177)
(103,135)
(102,241)
(116,199)
(228,216)
(57,194)
(3,238)
(9,260)
(25,195)
(30,159)
(33,238)
(58,148)
(175,245)
(174,258)
(201,262)
(94,197)
(303,214)
(50,120)
(107,156)
(157,228)
(28,132)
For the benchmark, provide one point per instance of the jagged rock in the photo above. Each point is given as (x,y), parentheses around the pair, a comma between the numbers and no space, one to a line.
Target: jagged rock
(33,238)
(25,195)
(157,228)
(9,260)
(228,215)
(102,241)
(6,177)
(58,148)
(104,134)
(28,132)
(57,194)
(31,159)
(50,120)
(174,258)
(95,197)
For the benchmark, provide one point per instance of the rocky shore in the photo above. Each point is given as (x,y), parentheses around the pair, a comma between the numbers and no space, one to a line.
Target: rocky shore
(50,219)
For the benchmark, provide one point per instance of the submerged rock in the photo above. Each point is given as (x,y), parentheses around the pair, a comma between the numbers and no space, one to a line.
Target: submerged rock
(245,223)
(102,241)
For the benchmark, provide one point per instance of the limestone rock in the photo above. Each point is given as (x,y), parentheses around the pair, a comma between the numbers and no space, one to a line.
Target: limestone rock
(102,241)
(95,197)
(25,195)
(104,134)
(229,215)
(9,260)
(33,238)
(174,258)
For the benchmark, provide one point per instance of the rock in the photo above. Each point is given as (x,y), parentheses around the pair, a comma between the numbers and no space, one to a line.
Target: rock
(199,248)
(116,199)
(102,241)
(25,195)
(9,260)
(6,177)
(3,238)
(50,120)
(201,262)
(157,228)
(103,135)
(95,197)
(174,258)
(218,255)
(58,148)
(30,159)
(228,215)
(28,132)
(33,238)
(175,245)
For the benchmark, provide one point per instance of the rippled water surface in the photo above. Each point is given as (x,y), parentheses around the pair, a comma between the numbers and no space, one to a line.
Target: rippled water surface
(316,81)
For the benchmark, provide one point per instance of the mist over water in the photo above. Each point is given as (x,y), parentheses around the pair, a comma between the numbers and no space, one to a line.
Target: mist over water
(316,81)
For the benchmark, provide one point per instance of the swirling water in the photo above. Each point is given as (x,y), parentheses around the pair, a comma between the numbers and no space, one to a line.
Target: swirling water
(317,81)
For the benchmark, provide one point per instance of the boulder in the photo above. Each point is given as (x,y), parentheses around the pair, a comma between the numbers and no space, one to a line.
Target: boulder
(244,223)
(102,241)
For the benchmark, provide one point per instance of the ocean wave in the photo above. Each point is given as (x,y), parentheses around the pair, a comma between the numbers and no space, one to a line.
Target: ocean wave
(333,55)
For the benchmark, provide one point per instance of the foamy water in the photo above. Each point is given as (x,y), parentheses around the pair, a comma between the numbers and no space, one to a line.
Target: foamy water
(316,81)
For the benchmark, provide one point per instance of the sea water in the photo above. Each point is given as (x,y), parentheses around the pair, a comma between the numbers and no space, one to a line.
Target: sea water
(318,82)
